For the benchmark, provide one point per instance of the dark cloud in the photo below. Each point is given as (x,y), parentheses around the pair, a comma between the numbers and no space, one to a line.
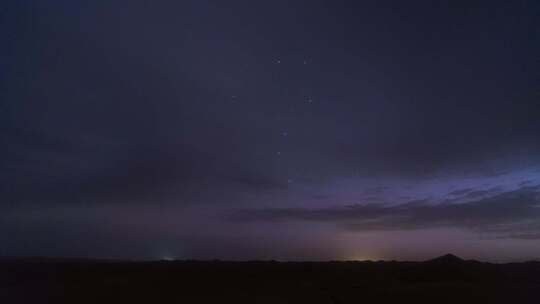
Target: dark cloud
(503,212)
(375,190)
(321,196)
(480,193)
(461,191)
(526,182)
(497,173)
(521,236)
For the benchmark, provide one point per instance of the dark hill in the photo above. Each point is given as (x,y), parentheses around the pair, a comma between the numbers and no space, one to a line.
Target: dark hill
(447,279)
(447,258)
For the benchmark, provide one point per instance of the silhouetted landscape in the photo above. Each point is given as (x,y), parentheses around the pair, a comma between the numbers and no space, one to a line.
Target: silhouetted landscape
(446,279)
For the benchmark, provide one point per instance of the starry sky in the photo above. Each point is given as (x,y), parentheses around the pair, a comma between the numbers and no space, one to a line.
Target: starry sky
(287,130)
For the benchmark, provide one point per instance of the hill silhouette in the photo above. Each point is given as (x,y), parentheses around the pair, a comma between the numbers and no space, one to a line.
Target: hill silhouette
(447,258)
(446,279)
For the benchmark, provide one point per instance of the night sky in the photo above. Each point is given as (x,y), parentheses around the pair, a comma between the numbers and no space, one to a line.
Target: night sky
(287,130)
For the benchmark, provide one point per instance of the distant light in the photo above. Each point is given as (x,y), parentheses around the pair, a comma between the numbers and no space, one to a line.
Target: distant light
(360,258)
(167,258)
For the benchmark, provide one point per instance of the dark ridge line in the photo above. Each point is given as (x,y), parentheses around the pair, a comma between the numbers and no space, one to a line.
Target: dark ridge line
(444,259)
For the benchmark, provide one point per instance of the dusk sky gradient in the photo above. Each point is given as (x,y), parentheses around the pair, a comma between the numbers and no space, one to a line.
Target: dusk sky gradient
(287,130)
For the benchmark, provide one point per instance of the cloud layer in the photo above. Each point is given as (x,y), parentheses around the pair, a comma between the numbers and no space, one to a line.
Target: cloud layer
(512,214)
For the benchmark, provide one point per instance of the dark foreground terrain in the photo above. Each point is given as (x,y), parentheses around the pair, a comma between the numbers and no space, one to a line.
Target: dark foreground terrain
(442,280)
